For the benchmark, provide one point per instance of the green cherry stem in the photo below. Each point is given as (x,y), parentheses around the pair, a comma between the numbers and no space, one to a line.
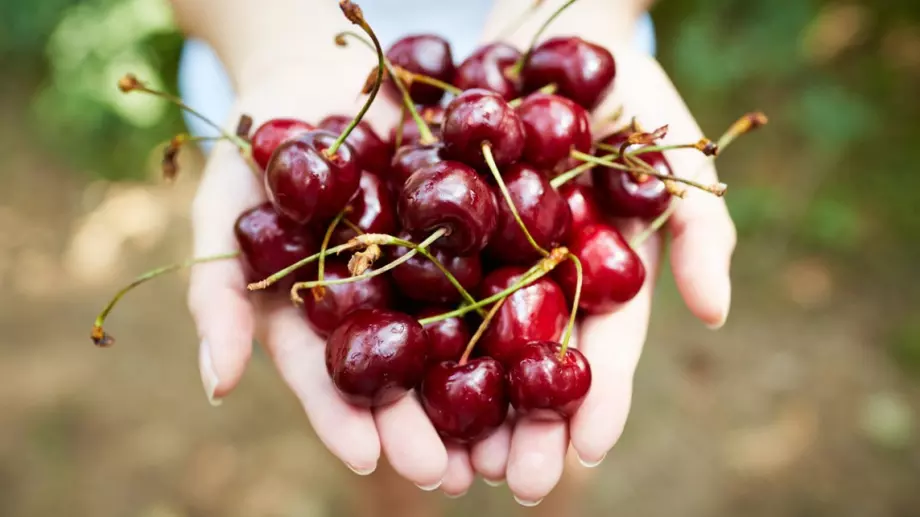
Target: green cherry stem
(480,331)
(579,278)
(270,280)
(518,66)
(425,79)
(319,292)
(717,189)
(549,89)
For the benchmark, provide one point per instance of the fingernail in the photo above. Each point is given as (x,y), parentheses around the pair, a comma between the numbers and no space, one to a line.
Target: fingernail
(721,322)
(429,488)
(455,496)
(590,464)
(493,482)
(362,472)
(208,376)
(528,504)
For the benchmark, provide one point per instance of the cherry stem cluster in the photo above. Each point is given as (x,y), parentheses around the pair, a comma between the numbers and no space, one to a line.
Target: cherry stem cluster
(717,189)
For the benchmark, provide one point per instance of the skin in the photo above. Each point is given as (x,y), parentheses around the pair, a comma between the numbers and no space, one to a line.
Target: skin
(529,455)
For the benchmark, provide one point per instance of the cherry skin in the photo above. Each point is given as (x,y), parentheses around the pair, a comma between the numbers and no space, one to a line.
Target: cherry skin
(340,300)
(465,402)
(449,195)
(304,184)
(371,152)
(542,209)
(613,272)
(582,204)
(433,116)
(554,126)
(272,133)
(486,68)
(447,338)
(582,71)
(375,356)
(625,196)
(543,385)
(373,209)
(424,54)
(410,158)
(269,243)
(535,313)
(478,116)
(420,280)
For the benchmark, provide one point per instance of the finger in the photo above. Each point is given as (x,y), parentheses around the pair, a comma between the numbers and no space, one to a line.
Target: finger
(536,458)
(459,476)
(411,443)
(299,354)
(489,456)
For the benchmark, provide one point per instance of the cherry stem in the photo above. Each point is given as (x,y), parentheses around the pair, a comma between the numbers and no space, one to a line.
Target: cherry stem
(278,275)
(717,189)
(490,161)
(518,66)
(480,331)
(519,20)
(704,145)
(579,277)
(426,79)
(319,291)
(100,337)
(549,89)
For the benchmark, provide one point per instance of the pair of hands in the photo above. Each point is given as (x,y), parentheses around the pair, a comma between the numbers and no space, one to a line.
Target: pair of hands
(528,454)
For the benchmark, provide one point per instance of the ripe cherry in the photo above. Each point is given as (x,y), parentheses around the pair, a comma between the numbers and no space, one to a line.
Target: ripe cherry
(410,158)
(269,243)
(376,356)
(306,185)
(371,152)
(373,209)
(447,338)
(424,54)
(582,71)
(542,209)
(340,300)
(613,272)
(536,312)
(480,116)
(582,204)
(554,126)
(541,384)
(433,116)
(486,69)
(421,280)
(272,133)
(626,196)
(451,195)
(465,402)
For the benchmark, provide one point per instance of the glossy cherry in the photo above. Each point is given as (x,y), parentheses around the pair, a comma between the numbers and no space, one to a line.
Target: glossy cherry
(554,126)
(542,209)
(624,195)
(465,402)
(373,209)
(420,280)
(269,242)
(371,152)
(433,116)
(272,133)
(410,158)
(536,312)
(582,71)
(340,300)
(478,116)
(449,195)
(487,68)
(425,54)
(582,204)
(447,339)
(304,184)
(375,357)
(541,384)
(613,272)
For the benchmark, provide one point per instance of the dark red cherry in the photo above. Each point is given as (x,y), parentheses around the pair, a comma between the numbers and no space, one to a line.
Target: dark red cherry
(421,280)
(304,184)
(433,116)
(625,196)
(424,54)
(272,133)
(373,209)
(371,152)
(582,204)
(478,116)
(542,384)
(410,158)
(447,339)
(613,272)
(449,195)
(376,356)
(554,126)
(582,71)
(542,209)
(342,299)
(270,243)
(486,69)
(465,402)
(537,312)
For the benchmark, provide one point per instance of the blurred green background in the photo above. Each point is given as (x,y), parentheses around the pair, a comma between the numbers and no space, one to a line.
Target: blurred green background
(805,404)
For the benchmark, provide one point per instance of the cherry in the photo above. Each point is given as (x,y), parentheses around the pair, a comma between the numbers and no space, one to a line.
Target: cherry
(304,184)
(542,384)
(269,242)
(613,272)
(424,54)
(486,68)
(340,300)
(272,133)
(582,204)
(446,338)
(582,71)
(465,402)
(536,312)
(627,196)
(451,195)
(554,126)
(479,116)
(542,209)
(410,158)
(373,209)
(371,152)
(421,280)
(376,356)
(432,115)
